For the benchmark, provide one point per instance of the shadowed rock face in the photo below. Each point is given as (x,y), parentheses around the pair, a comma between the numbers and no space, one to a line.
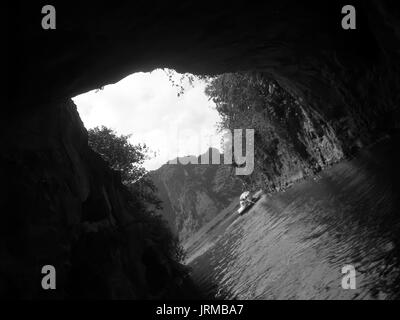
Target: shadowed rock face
(63,206)
(58,195)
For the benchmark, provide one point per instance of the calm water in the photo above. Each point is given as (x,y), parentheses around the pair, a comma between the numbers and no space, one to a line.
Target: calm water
(293,245)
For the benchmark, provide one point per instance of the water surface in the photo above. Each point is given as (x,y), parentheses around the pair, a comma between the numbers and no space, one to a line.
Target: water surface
(293,245)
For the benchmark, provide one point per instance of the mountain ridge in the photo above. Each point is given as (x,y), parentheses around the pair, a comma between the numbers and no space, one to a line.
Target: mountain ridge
(193,194)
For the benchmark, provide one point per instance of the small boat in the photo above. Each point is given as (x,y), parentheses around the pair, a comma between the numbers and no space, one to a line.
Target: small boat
(247,200)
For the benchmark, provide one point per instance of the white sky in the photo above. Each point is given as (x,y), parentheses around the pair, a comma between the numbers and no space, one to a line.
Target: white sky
(146,105)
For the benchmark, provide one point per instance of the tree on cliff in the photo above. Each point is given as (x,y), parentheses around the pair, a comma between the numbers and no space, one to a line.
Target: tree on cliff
(255,101)
(127,159)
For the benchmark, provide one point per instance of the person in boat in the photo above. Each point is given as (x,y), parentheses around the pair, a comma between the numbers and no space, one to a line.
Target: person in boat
(246,198)
(245,201)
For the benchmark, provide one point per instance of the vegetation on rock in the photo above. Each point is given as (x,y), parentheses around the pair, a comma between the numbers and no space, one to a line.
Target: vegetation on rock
(127,159)
(291,139)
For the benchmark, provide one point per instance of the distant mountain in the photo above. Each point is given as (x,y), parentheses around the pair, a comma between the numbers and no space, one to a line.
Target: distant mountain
(193,194)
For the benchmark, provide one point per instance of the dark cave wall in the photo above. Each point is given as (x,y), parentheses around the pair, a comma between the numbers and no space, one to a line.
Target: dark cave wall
(62,204)
(299,41)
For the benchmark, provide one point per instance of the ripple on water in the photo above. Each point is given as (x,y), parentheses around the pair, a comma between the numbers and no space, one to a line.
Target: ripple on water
(293,245)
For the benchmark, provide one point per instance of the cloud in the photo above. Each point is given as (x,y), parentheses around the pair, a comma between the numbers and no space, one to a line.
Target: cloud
(146,105)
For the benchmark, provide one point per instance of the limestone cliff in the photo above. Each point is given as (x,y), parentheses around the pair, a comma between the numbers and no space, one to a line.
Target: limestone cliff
(193,194)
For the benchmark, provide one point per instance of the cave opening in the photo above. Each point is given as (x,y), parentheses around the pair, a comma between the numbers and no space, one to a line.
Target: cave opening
(292,141)
(172,115)
(167,111)
(157,119)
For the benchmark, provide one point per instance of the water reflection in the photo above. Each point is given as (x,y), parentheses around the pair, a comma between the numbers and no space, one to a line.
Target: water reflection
(293,245)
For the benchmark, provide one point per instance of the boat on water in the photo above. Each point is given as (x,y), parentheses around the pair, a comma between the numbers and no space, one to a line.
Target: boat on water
(247,200)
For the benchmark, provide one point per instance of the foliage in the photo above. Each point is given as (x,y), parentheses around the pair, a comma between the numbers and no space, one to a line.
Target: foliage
(256,101)
(128,159)
(240,98)
(119,153)
(182,81)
